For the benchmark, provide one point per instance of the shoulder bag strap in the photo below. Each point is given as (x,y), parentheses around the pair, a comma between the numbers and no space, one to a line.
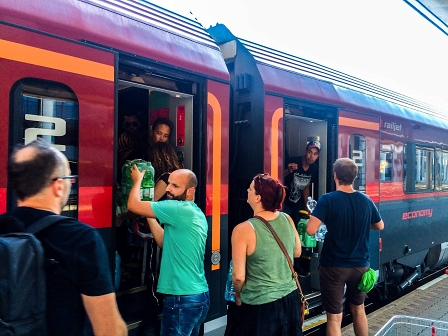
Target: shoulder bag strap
(279,242)
(44,222)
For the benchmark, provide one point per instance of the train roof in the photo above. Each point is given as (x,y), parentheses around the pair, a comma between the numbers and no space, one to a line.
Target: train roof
(296,77)
(136,27)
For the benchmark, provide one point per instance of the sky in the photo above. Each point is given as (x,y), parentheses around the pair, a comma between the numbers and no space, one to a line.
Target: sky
(384,42)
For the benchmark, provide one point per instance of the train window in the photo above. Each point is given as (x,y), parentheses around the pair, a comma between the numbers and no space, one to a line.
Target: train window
(50,111)
(358,154)
(443,165)
(437,170)
(418,177)
(385,166)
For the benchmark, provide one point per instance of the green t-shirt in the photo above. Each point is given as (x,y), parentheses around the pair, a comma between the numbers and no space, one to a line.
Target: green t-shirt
(268,276)
(182,266)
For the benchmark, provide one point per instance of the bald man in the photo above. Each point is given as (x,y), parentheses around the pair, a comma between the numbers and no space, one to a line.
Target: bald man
(183,237)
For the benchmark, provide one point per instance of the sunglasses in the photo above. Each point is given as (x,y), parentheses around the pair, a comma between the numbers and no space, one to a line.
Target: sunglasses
(72,178)
(259,178)
(134,124)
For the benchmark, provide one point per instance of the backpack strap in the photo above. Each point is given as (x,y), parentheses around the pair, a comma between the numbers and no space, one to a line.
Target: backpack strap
(45,222)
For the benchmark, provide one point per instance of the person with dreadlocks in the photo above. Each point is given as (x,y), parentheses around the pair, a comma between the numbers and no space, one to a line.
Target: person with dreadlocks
(164,159)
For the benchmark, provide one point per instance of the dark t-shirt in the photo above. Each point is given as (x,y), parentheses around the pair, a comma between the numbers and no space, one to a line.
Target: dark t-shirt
(296,181)
(348,217)
(83,268)
(164,177)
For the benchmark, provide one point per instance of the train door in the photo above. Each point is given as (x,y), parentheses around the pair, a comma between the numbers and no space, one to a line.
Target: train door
(62,91)
(146,98)
(359,140)
(302,124)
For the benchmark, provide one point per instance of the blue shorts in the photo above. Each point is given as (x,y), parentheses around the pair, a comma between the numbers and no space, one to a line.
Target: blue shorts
(184,314)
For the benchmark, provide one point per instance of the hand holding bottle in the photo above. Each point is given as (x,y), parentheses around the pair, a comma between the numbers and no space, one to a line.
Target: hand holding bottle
(136,175)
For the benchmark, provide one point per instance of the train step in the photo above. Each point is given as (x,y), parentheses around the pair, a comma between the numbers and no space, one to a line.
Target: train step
(140,308)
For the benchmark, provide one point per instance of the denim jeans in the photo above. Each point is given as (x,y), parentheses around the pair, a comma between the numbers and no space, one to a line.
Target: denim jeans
(184,314)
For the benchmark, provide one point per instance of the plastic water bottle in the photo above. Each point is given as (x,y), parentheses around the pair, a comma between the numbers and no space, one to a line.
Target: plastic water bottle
(230,289)
(320,234)
(117,270)
(148,182)
(126,182)
(311,204)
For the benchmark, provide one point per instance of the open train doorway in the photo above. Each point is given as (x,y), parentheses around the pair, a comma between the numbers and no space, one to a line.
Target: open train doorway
(152,109)
(299,131)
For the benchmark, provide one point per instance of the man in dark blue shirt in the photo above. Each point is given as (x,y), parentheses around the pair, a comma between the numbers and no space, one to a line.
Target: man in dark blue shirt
(349,215)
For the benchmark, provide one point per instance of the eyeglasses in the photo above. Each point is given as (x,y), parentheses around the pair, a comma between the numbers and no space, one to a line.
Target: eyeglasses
(72,178)
(134,124)
(259,177)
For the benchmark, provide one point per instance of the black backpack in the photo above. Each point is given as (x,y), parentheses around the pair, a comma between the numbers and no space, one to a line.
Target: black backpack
(22,280)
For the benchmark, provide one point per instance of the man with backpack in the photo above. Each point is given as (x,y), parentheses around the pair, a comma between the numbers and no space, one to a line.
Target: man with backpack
(78,279)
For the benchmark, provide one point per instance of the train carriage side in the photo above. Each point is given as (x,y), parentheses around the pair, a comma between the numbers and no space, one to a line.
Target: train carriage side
(68,80)
(411,188)
(281,102)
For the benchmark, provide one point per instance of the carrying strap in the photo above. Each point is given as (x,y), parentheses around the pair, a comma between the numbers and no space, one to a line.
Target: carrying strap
(45,222)
(279,242)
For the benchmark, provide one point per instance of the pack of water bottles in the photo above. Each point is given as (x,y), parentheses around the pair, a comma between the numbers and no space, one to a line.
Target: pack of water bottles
(306,239)
(147,186)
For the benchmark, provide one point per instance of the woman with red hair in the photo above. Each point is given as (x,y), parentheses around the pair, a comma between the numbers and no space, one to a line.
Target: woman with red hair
(264,287)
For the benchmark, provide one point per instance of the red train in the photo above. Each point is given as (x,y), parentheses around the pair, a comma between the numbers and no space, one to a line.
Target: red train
(71,70)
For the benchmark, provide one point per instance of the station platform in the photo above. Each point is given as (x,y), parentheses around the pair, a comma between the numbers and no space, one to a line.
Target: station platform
(429,301)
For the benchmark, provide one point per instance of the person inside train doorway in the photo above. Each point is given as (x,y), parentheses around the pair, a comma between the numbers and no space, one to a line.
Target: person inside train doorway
(132,143)
(349,216)
(300,173)
(160,130)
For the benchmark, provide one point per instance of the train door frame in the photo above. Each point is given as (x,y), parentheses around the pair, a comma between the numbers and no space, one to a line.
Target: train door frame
(208,129)
(314,112)
(311,121)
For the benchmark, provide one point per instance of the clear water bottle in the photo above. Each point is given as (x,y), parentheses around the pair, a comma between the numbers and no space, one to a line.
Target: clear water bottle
(320,234)
(311,204)
(229,294)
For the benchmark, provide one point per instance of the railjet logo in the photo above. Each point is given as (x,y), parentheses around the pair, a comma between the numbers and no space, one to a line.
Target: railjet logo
(417,213)
(391,125)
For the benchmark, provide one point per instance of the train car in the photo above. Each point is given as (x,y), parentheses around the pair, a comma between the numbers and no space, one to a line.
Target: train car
(73,68)
(280,102)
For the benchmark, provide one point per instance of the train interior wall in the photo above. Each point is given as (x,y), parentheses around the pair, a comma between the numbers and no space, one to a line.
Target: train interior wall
(150,104)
